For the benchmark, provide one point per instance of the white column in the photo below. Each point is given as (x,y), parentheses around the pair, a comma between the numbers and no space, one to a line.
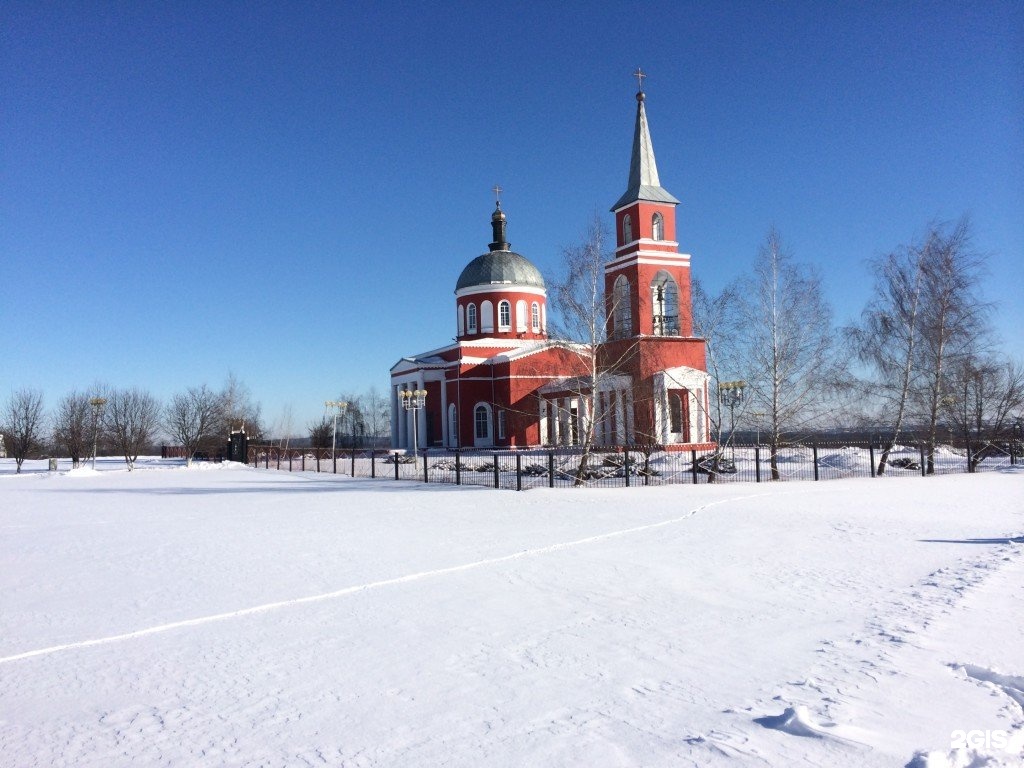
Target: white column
(396,418)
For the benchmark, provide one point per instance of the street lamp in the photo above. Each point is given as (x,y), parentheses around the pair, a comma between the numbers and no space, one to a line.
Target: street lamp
(97,404)
(730,394)
(413,400)
(339,406)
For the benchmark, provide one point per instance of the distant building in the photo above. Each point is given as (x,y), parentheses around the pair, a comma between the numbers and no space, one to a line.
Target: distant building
(504,383)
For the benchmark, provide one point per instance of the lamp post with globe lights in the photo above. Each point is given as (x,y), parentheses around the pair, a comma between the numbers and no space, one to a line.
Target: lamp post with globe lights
(413,400)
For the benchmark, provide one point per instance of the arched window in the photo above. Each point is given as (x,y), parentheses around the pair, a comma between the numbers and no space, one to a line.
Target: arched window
(486,317)
(535,317)
(471,318)
(622,308)
(665,305)
(453,427)
(462,319)
(482,424)
(657,227)
(627,229)
(504,316)
(502,426)
(521,316)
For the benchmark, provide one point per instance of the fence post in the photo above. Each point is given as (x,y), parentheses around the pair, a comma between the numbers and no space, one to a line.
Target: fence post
(497,480)
(519,472)
(266,460)
(396,465)
(317,459)
(625,466)
(871,456)
(278,458)
(289,461)
(353,465)
(551,469)
(970,467)
(426,475)
(693,468)
(334,461)
(303,461)
(924,465)
(373,463)
(757,463)
(458,467)
(814,452)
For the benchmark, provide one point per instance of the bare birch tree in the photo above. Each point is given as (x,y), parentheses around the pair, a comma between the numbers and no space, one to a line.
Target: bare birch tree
(583,310)
(23,421)
(131,418)
(786,351)
(713,321)
(888,337)
(191,417)
(953,319)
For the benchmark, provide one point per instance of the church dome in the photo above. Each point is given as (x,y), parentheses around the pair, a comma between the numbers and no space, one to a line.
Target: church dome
(500,268)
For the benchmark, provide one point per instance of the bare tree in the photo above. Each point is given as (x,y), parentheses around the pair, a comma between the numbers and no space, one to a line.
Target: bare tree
(787,352)
(584,313)
(131,419)
(238,410)
(953,319)
(376,414)
(191,417)
(983,393)
(72,426)
(23,423)
(714,321)
(888,337)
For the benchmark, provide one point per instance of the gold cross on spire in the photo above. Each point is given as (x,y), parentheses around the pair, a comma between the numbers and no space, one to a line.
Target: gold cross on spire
(639,75)
(497,194)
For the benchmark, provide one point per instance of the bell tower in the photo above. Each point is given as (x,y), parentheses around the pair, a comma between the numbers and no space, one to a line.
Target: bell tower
(648,281)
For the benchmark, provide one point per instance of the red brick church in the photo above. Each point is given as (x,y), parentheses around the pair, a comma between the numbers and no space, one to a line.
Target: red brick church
(504,384)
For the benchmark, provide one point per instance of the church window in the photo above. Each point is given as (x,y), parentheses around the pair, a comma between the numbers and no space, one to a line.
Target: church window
(675,408)
(462,320)
(535,317)
(471,318)
(504,316)
(453,426)
(622,309)
(501,424)
(486,317)
(521,316)
(482,422)
(657,227)
(627,229)
(665,303)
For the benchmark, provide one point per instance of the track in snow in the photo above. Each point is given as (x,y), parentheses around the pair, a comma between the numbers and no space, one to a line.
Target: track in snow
(366,587)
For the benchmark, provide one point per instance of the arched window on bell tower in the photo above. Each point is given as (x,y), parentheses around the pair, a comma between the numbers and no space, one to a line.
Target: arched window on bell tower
(627,229)
(471,318)
(622,308)
(665,305)
(657,227)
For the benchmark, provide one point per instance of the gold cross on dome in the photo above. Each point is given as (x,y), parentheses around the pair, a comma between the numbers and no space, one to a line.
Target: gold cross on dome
(639,75)
(497,194)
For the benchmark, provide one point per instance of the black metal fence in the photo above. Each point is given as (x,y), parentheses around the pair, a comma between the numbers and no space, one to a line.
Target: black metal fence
(617,467)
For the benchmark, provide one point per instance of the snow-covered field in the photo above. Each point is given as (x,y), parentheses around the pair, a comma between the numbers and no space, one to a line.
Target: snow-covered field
(225,616)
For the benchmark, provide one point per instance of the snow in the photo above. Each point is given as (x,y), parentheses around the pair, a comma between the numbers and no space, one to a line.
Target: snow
(220,615)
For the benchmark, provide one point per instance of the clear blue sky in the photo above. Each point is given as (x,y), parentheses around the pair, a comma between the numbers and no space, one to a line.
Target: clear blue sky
(289,190)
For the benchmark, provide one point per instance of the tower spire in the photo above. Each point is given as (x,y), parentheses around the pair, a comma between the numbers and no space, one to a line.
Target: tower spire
(499,222)
(643,170)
